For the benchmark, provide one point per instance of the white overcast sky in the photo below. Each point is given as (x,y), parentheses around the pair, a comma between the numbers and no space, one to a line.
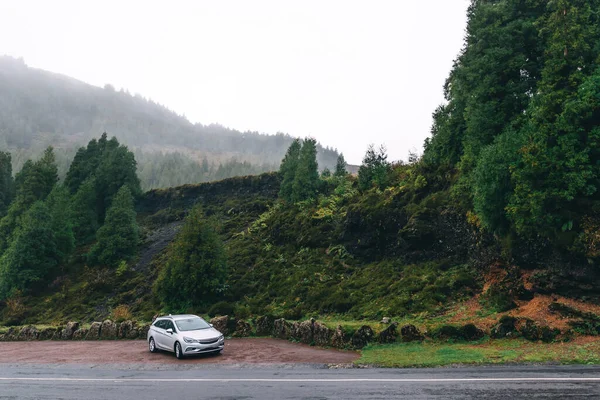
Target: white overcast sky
(348,73)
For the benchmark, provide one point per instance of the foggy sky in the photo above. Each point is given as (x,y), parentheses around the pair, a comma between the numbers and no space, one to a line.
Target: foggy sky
(348,73)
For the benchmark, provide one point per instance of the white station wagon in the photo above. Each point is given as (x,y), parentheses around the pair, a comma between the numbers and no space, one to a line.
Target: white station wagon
(184,335)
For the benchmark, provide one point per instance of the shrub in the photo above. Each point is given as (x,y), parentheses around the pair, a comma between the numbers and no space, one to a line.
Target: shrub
(221,308)
(121,313)
(468,332)
(122,269)
(242,311)
(497,299)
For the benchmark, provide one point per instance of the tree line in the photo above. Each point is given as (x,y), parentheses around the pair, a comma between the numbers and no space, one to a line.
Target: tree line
(38,109)
(42,220)
(521,122)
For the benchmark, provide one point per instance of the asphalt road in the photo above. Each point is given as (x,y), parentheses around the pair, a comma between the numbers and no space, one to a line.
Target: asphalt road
(140,381)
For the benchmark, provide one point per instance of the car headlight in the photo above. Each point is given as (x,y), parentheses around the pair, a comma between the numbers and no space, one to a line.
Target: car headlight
(221,338)
(190,340)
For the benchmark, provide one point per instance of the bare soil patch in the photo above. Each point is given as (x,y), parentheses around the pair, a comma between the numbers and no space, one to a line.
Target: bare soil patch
(237,351)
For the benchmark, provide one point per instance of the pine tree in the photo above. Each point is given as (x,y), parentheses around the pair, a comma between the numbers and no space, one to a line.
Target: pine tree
(117,168)
(288,168)
(33,183)
(36,179)
(559,171)
(195,270)
(33,254)
(340,167)
(306,180)
(375,169)
(110,165)
(326,173)
(6,182)
(59,206)
(118,238)
(491,83)
(85,219)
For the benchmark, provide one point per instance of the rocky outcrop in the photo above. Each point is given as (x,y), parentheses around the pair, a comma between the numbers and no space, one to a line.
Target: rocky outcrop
(124,329)
(362,337)
(282,329)
(28,333)
(221,324)
(389,334)
(535,332)
(69,330)
(80,334)
(242,329)
(470,332)
(505,328)
(94,331)
(339,338)
(410,333)
(264,325)
(109,330)
(322,335)
(303,331)
(47,333)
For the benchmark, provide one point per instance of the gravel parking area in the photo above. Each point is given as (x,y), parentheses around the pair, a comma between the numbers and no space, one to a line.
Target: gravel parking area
(237,351)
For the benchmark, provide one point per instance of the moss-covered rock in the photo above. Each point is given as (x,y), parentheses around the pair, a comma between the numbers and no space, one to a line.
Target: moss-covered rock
(362,337)
(282,329)
(411,333)
(505,328)
(389,334)
(468,332)
(242,329)
(109,330)
(94,331)
(530,330)
(264,325)
(322,335)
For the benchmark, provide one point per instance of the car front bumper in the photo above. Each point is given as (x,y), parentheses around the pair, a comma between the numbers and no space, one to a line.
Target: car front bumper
(199,348)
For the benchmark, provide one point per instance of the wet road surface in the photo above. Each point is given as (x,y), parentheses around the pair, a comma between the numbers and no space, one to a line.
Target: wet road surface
(293,381)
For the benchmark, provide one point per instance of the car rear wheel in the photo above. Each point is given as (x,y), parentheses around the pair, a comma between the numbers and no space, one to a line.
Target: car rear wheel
(152,346)
(178,352)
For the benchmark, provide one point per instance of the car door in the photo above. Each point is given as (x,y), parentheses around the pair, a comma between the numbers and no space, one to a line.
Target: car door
(159,334)
(169,338)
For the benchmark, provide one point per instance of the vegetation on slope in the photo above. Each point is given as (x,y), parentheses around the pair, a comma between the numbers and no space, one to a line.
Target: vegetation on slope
(499,214)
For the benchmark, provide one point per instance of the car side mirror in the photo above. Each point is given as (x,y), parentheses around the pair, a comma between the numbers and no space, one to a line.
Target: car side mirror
(211,325)
(170,331)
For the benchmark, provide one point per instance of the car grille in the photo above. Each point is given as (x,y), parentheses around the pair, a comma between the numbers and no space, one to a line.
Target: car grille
(209,341)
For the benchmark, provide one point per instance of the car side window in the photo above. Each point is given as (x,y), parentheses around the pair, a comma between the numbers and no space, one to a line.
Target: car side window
(170,325)
(160,324)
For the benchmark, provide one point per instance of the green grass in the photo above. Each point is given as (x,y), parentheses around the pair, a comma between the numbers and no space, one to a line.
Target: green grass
(430,354)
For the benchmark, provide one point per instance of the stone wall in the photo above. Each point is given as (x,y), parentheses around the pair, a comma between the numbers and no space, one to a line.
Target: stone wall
(107,330)
(310,332)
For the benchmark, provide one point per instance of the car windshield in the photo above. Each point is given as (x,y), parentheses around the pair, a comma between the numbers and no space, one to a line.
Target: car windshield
(191,324)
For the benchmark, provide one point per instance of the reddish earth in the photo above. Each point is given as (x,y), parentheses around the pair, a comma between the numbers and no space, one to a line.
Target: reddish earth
(237,351)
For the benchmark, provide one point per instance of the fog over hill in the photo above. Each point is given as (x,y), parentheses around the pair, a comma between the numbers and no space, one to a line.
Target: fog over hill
(40,108)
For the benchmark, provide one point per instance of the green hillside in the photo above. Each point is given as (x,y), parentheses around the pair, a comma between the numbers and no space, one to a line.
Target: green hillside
(498,221)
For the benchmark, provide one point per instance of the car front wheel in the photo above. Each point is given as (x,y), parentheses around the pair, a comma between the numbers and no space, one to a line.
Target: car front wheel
(178,352)
(152,346)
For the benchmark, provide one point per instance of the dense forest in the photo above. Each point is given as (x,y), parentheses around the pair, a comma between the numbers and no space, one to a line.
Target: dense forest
(502,207)
(38,109)
(520,131)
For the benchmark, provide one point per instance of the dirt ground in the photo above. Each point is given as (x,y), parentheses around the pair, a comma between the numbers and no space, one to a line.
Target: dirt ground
(237,351)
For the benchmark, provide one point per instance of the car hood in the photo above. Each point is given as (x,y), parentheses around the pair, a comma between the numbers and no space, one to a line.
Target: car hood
(202,334)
